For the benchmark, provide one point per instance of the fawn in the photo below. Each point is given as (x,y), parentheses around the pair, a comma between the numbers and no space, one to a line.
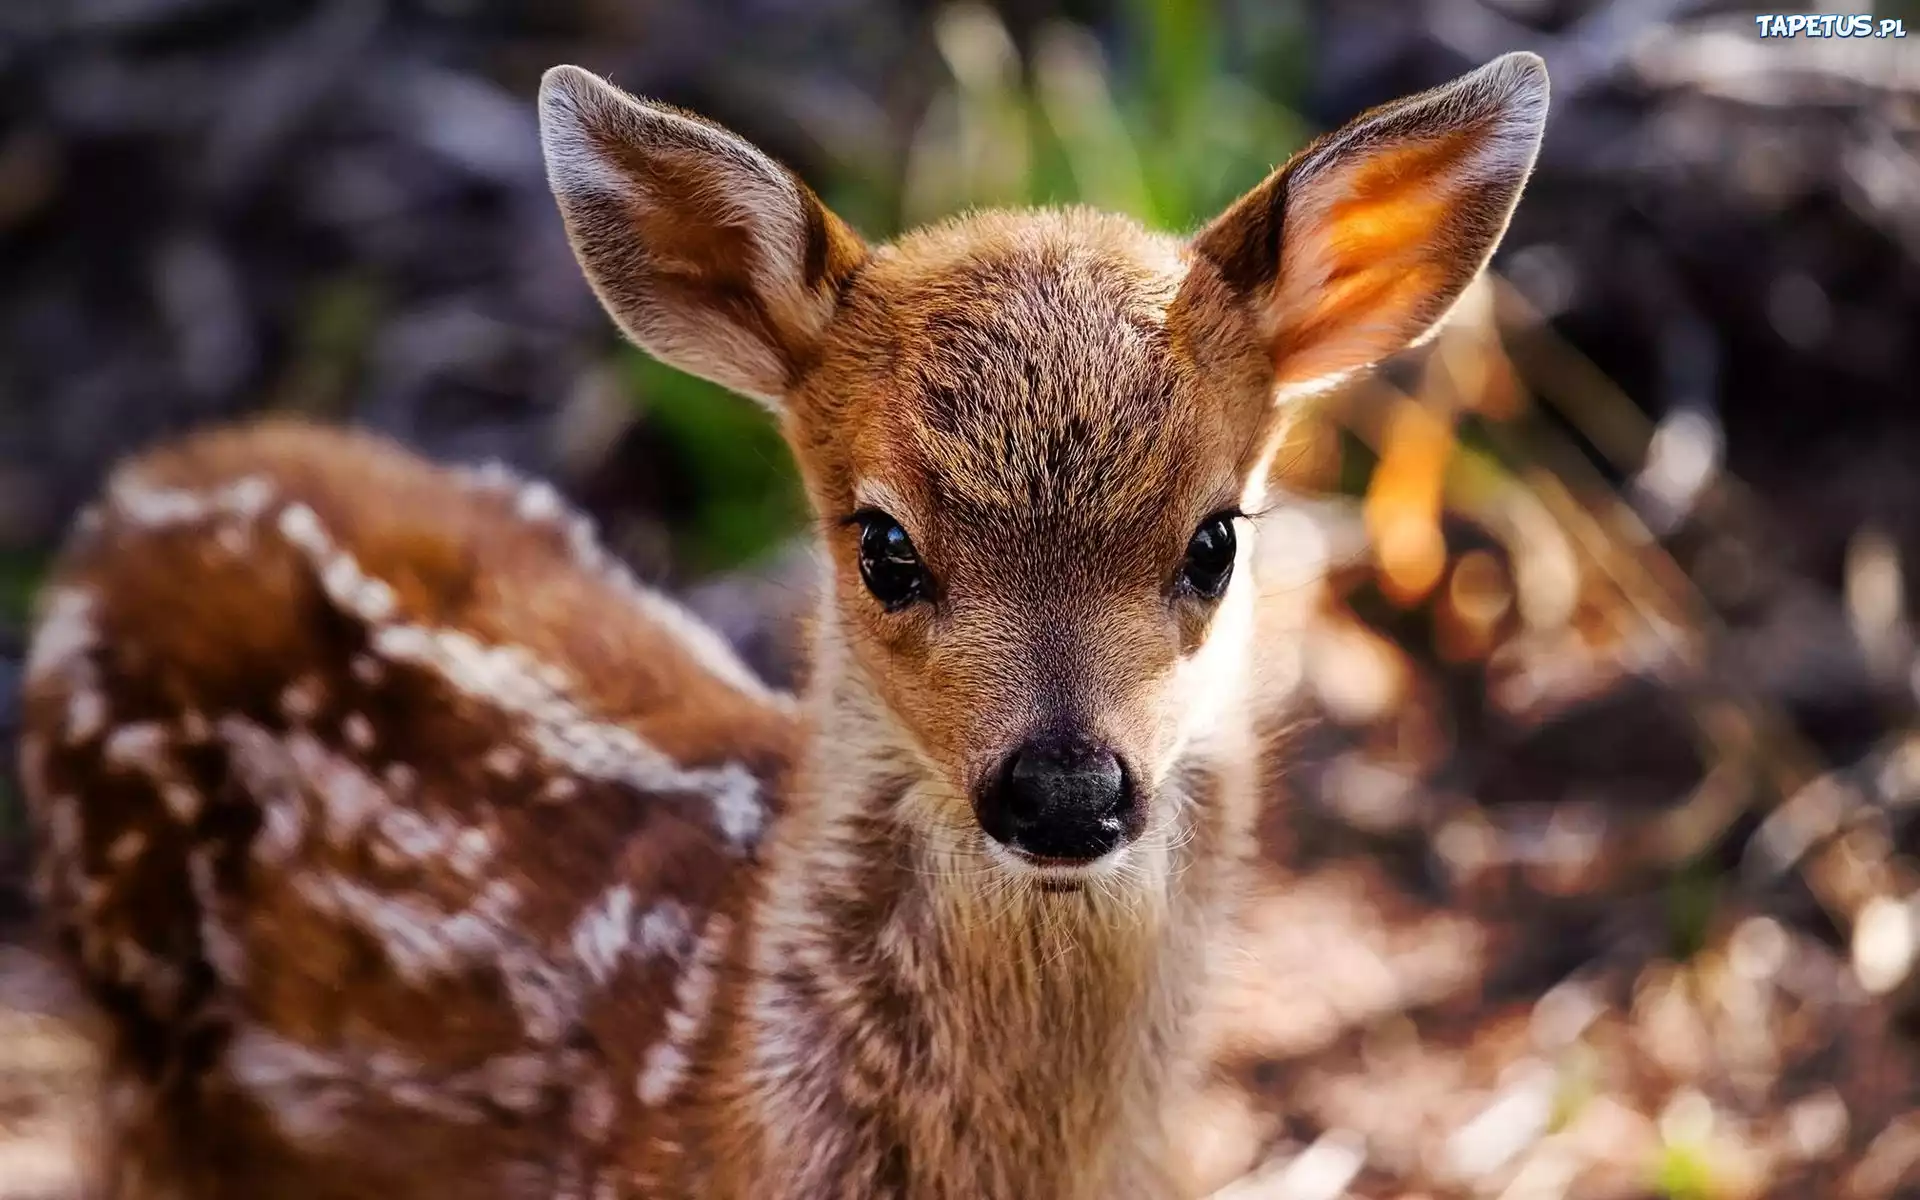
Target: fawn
(413,849)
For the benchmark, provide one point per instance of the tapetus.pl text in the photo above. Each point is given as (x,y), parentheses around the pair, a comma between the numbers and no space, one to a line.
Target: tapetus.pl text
(1828,25)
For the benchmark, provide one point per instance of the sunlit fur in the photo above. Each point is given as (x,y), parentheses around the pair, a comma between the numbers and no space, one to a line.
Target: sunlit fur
(413,849)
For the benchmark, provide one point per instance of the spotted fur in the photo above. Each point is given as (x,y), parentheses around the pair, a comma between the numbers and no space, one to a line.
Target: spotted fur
(414,849)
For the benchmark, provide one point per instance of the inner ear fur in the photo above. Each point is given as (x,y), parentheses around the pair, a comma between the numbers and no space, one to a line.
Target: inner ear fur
(1362,242)
(707,252)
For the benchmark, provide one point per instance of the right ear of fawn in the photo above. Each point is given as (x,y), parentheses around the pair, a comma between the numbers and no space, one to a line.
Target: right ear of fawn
(412,849)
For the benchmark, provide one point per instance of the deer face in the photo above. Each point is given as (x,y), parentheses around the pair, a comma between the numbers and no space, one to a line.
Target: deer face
(1031,439)
(1032,467)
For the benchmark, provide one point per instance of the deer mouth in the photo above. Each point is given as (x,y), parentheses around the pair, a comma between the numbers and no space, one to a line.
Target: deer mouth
(1053,875)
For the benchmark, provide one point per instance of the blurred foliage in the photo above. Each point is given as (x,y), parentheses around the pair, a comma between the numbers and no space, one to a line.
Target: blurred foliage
(20,575)
(1170,133)
(747,495)
(334,335)
(1684,1173)
(1693,897)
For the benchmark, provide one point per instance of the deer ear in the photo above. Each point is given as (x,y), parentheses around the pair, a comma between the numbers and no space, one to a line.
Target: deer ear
(1361,243)
(709,254)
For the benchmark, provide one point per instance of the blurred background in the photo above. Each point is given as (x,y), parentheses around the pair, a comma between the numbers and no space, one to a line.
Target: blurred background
(1595,871)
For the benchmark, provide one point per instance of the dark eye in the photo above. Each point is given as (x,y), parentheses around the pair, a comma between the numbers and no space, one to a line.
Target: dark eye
(888,562)
(1209,563)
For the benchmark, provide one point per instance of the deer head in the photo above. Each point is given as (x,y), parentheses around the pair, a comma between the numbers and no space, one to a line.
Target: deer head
(1032,439)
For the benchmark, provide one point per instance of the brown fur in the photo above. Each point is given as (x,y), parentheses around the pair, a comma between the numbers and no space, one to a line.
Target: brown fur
(414,850)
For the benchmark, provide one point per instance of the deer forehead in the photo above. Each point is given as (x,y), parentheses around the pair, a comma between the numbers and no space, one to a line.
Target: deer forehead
(1027,373)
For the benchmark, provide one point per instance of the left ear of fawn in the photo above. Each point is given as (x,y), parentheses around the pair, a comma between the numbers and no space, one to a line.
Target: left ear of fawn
(411,848)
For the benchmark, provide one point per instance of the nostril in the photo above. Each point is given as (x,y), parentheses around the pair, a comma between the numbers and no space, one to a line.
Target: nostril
(1059,800)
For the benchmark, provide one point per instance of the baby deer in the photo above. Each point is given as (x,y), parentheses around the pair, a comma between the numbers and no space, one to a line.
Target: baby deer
(412,849)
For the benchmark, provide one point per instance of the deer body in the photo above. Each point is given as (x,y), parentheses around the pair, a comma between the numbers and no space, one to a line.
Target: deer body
(414,850)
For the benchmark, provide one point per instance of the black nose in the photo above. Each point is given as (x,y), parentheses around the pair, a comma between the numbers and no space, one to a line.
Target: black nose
(1059,798)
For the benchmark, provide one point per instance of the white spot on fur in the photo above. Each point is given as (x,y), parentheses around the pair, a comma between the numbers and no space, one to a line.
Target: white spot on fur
(182,801)
(62,649)
(665,930)
(223,951)
(65,637)
(300,525)
(367,669)
(264,769)
(144,506)
(341,578)
(539,503)
(301,700)
(127,848)
(559,790)
(518,1083)
(594,1108)
(139,747)
(536,502)
(234,540)
(505,761)
(419,943)
(358,731)
(409,834)
(547,1000)
(95,895)
(514,680)
(446,1100)
(668,1059)
(314,1096)
(358,593)
(86,714)
(304,1091)
(568,737)
(194,729)
(347,796)
(410,837)
(601,937)
(666,1063)
(472,848)
(282,829)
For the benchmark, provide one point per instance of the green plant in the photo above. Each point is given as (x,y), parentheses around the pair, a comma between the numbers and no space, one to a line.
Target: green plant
(1683,1173)
(1169,133)
(20,575)
(747,495)
(1693,895)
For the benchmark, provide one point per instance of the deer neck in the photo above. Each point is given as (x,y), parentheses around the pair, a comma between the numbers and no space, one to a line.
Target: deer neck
(904,993)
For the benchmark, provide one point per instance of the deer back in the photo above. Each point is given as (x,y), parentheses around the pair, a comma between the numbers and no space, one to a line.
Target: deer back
(395,828)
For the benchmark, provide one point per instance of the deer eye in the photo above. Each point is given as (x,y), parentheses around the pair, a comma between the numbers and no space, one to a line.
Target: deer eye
(1209,562)
(888,562)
